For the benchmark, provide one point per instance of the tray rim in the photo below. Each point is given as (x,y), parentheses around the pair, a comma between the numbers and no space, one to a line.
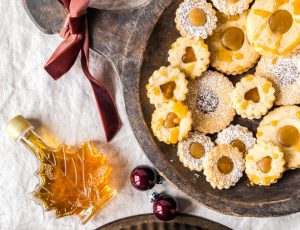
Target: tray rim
(143,135)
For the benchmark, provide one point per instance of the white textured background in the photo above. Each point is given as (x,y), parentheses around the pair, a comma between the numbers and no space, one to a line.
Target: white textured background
(64,111)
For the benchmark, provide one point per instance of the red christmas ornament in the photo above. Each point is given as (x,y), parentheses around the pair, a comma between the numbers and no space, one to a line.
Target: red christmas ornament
(165,207)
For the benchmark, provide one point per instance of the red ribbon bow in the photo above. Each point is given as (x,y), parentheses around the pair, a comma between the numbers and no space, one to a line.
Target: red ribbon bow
(75,33)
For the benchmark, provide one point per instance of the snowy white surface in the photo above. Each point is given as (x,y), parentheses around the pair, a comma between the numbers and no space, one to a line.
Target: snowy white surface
(64,111)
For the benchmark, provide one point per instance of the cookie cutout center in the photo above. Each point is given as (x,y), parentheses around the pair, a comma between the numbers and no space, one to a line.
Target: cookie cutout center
(281,21)
(265,164)
(233,1)
(288,136)
(252,95)
(225,165)
(207,102)
(239,144)
(167,89)
(233,38)
(171,121)
(189,55)
(197,17)
(197,150)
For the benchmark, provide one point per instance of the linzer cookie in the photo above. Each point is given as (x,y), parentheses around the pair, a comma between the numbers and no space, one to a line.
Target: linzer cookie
(192,150)
(253,96)
(196,19)
(264,164)
(232,7)
(282,127)
(189,55)
(237,136)
(171,122)
(273,27)
(224,166)
(209,101)
(230,50)
(166,84)
(284,73)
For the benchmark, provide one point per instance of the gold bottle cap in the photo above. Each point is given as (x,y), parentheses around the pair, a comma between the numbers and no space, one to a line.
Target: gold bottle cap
(17,126)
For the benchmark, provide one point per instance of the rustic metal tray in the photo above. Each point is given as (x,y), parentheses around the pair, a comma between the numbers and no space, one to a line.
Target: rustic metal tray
(137,42)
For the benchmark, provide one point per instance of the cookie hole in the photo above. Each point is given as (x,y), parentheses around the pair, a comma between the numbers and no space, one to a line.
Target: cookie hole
(197,150)
(197,17)
(189,55)
(252,95)
(167,89)
(225,165)
(281,21)
(265,164)
(288,136)
(239,144)
(207,102)
(233,38)
(171,121)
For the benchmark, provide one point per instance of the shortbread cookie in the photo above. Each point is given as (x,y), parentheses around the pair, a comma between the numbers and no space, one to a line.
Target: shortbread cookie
(209,101)
(237,136)
(273,27)
(171,122)
(284,73)
(231,52)
(189,55)
(231,7)
(282,128)
(264,164)
(166,84)
(192,150)
(196,19)
(224,166)
(253,96)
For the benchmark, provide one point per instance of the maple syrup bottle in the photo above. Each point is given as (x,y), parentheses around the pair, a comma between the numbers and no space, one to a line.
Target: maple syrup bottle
(74,179)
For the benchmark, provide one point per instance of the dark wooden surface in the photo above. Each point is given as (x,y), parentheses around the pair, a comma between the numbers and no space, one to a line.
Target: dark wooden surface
(137,42)
(149,222)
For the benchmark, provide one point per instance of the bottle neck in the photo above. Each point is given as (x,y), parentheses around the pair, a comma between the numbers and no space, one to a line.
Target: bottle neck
(34,143)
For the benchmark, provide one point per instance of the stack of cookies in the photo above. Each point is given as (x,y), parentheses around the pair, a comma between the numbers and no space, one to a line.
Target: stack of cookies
(192,102)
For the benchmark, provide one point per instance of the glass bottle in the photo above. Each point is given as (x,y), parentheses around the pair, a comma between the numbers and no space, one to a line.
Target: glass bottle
(74,180)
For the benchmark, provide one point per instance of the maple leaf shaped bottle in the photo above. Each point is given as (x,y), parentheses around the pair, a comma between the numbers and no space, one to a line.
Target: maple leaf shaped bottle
(74,180)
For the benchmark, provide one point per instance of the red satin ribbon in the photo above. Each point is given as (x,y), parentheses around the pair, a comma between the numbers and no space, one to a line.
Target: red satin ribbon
(75,33)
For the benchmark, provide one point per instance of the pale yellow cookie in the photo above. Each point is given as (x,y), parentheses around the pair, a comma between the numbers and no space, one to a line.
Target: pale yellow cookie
(273,27)
(231,52)
(195,19)
(166,84)
(253,96)
(282,128)
(209,101)
(171,122)
(237,136)
(284,73)
(231,7)
(264,164)
(192,150)
(224,166)
(189,55)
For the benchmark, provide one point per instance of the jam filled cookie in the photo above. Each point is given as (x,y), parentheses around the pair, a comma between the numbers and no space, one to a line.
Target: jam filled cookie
(189,55)
(282,128)
(237,136)
(232,7)
(166,84)
(273,27)
(171,122)
(224,166)
(192,151)
(284,73)
(253,96)
(196,19)
(264,164)
(209,101)
(231,52)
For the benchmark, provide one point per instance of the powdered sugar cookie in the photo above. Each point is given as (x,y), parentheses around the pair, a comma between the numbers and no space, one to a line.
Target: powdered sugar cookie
(231,7)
